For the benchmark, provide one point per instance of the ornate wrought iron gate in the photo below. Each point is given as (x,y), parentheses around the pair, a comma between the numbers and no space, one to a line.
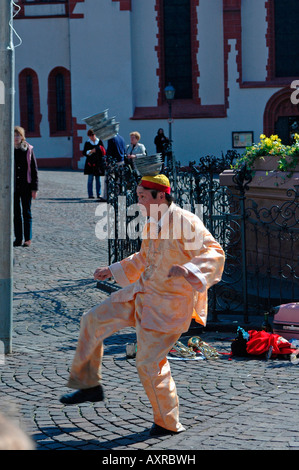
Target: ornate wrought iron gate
(254,280)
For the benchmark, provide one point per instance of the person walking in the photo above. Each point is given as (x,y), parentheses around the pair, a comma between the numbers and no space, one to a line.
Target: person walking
(94,165)
(164,286)
(25,187)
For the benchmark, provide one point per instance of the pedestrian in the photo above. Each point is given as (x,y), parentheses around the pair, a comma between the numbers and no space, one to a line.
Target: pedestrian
(135,149)
(95,164)
(116,148)
(164,286)
(161,142)
(25,187)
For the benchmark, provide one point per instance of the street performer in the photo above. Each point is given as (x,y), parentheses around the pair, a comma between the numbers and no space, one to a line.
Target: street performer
(164,286)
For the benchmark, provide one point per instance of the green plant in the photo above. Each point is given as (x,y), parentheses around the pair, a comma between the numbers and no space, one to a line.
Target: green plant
(287,154)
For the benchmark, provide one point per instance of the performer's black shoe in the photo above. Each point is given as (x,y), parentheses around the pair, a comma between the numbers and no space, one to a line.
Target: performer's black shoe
(93,394)
(157,430)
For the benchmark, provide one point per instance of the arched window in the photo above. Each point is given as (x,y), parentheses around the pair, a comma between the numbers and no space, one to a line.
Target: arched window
(282,41)
(177,47)
(281,116)
(29,102)
(59,102)
(286,38)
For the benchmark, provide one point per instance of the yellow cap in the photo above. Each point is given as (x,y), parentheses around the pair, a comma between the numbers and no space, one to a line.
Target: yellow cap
(159,182)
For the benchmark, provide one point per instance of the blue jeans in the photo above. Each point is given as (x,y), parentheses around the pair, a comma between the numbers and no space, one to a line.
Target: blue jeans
(90,185)
(22,218)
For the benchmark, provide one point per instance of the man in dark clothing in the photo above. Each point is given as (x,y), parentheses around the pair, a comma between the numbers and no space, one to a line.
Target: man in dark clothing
(116,148)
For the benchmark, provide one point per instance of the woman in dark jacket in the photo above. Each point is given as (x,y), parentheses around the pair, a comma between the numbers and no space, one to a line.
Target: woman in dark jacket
(25,187)
(94,164)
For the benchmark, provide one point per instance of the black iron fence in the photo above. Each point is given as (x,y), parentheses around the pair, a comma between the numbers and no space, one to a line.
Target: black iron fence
(261,244)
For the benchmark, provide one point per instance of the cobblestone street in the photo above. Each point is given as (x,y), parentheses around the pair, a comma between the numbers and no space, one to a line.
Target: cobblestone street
(225,404)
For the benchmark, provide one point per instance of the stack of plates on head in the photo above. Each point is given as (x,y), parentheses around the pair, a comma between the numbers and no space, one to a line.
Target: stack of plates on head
(96,118)
(149,165)
(103,127)
(107,132)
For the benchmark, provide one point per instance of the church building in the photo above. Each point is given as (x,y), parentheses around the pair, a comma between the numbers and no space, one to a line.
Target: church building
(233,64)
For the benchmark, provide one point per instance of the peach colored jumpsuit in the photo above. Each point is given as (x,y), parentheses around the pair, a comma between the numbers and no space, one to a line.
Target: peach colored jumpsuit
(158,306)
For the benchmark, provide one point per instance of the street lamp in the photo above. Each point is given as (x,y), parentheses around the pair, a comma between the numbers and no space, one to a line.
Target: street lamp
(169,94)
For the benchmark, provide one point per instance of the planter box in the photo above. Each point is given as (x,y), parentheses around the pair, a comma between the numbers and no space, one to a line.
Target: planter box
(267,190)
(265,176)
(267,187)
(270,162)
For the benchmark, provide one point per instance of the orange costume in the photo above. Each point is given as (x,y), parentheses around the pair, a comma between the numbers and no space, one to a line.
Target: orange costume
(158,306)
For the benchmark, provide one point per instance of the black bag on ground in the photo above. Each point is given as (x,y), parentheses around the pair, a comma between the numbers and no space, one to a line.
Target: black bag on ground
(238,346)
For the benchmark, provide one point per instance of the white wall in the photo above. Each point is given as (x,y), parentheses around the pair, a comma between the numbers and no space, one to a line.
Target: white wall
(199,137)
(101,69)
(113,64)
(254,48)
(44,46)
(144,32)
(246,105)
(211,54)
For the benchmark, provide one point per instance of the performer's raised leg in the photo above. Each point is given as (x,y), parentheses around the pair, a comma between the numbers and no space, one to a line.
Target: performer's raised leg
(97,324)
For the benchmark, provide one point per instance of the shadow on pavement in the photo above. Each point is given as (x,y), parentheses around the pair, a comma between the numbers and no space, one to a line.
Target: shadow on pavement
(96,444)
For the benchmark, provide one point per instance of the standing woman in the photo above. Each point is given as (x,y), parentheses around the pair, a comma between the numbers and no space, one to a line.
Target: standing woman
(95,164)
(25,187)
(135,149)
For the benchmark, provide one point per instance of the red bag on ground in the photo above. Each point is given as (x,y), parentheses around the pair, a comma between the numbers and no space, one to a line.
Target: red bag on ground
(260,342)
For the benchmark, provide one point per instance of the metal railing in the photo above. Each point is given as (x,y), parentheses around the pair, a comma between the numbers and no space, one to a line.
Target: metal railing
(259,271)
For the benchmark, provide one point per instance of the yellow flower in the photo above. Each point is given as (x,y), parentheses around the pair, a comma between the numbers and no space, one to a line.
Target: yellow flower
(272,146)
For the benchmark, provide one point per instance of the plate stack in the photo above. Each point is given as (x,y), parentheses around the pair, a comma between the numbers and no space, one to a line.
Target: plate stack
(149,165)
(103,127)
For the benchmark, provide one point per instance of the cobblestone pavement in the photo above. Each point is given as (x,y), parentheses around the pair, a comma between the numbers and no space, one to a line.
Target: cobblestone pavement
(224,404)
